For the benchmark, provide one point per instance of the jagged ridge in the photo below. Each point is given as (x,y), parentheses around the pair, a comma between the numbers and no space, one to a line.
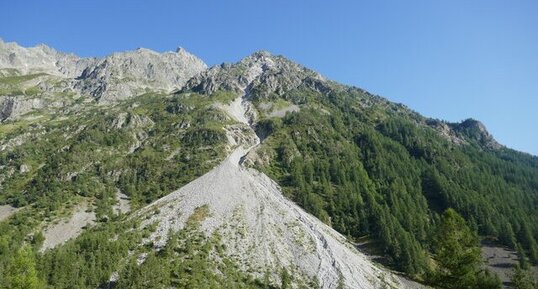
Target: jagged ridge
(109,79)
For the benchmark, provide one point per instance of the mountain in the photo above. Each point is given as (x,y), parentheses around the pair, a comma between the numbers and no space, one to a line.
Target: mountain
(150,170)
(41,77)
(40,59)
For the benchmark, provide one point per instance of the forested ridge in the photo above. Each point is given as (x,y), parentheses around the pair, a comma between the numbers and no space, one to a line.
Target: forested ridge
(380,171)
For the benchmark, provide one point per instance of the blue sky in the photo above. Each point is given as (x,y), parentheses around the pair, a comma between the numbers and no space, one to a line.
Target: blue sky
(445,59)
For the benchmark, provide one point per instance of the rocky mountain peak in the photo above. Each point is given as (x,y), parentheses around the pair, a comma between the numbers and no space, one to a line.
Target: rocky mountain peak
(125,74)
(45,76)
(46,49)
(477,131)
(140,50)
(258,75)
(474,124)
(260,56)
(40,59)
(117,76)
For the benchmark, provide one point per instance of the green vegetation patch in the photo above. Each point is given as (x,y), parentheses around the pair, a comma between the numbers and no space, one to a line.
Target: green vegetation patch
(18,79)
(198,216)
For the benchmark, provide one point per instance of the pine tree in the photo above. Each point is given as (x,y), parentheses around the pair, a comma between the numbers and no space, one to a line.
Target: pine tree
(506,234)
(523,262)
(529,242)
(458,256)
(21,271)
(522,279)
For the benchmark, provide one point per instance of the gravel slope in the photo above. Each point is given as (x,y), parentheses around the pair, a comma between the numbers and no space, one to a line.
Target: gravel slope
(67,229)
(261,229)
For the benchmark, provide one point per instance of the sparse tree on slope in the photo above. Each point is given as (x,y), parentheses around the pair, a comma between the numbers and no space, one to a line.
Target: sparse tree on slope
(458,256)
(522,279)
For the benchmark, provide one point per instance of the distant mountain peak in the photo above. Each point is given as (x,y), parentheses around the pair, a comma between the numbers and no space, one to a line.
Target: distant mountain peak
(117,76)
(180,49)
(259,74)
(40,59)
(141,50)
(125,74)
(45,47)
(261,54)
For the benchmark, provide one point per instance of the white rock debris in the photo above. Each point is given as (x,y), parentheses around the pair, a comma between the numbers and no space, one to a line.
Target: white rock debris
(236,110)
(123,204)
(262,230)
(67,229)
(6,211)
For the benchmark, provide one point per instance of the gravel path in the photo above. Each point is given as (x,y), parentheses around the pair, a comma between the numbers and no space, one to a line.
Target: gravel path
(502,261)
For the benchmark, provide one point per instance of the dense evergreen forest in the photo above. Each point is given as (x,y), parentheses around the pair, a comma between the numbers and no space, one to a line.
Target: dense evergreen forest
(372,168)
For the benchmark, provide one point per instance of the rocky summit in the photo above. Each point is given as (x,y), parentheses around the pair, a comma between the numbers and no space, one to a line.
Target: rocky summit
(108,79)
(151,170)
(121,75)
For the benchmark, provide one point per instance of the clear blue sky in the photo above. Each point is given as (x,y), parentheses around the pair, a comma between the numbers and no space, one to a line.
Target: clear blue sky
(445,59)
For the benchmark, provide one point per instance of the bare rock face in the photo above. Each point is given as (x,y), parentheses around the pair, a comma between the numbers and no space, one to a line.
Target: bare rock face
(445,130)
(258,75)
(127,74)
(11,106)
(469,131)
(6,107)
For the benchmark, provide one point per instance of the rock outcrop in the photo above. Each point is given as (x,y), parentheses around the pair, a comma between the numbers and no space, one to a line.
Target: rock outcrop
(11,106)
(475,130)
